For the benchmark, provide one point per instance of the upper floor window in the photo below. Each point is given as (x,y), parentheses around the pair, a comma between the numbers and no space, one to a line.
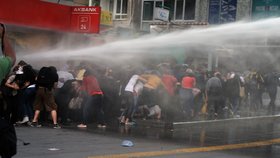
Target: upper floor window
(185,9)
(120,9)
(178,9)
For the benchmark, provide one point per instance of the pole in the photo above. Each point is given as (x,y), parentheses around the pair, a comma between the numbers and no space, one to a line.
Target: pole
(210,61)
(89,2)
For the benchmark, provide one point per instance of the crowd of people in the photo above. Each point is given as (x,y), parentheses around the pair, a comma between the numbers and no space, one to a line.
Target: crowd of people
(83,92)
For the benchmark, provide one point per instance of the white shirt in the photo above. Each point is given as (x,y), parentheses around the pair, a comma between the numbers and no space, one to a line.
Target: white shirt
(139,87)
(63,77)
(131,83)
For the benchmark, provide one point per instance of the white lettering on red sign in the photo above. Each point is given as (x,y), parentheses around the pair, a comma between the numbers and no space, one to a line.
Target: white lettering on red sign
(85,10)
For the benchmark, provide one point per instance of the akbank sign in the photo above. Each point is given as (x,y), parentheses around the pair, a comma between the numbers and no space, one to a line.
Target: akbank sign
(161,14)
(84,9)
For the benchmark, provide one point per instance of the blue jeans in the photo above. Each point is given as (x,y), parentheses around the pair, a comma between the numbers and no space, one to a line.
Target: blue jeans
(26,99)
(131,101)
(187,100)
(234,100)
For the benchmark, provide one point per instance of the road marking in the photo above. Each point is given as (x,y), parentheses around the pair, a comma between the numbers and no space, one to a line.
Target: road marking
(192,150)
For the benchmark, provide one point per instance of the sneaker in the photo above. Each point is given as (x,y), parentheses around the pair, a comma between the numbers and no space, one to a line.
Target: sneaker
(56,126)
(24,120)
(101,126)
(130,123)
(82,126)
(35,124)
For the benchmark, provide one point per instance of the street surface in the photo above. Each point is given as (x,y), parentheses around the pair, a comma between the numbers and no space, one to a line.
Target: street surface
(218,139)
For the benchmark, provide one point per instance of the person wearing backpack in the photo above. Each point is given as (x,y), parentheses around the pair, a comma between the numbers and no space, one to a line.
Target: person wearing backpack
(46,82)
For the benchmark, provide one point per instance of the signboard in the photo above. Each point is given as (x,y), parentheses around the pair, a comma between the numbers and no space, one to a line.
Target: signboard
(265,9)
(84,18)
(50,16)
(161,14)
(106,18)
(222,11)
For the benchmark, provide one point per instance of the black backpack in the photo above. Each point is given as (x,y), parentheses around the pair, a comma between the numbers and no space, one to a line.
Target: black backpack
(44,78)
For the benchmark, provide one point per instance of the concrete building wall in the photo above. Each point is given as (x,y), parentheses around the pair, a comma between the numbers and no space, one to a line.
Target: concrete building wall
(201,12)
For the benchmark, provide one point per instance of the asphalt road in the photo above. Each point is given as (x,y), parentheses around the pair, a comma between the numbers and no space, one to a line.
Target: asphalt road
(219,140)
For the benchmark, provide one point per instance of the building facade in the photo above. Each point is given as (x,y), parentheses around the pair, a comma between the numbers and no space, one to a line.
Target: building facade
(138,15)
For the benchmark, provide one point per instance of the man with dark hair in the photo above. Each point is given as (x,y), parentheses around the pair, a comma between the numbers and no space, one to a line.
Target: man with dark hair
(8,139)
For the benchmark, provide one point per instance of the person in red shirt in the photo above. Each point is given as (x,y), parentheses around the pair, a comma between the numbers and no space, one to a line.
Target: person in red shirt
(169,82)
(168,99)
(186,94)
(93,102)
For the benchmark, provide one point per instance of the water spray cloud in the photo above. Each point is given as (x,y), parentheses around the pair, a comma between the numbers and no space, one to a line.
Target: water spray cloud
(246,34)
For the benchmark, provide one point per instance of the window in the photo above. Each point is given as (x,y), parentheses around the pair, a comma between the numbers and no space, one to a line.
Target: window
(169,4)
(179,9)
(185,9)
(189,9)
(111,6)
(148,9)
(120,9)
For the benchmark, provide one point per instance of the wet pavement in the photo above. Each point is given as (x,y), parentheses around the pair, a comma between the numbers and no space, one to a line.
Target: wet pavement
(255,137)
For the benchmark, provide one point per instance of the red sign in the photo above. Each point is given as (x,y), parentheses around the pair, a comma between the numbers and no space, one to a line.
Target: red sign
(52,16)
(84,18)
